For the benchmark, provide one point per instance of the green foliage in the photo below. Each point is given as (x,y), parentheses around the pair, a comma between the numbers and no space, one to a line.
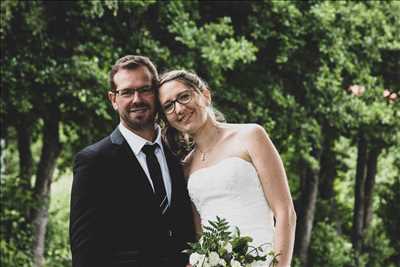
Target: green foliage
(6,9)
(219,246)
(286,65)
(217,231)
(328,248)
(57,251)
(12,255)
(96,9)
(389,212)
(16,235)
(215,41)
(377,246)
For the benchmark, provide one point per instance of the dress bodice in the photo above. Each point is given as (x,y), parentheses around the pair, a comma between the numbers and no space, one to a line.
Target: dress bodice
(231,189)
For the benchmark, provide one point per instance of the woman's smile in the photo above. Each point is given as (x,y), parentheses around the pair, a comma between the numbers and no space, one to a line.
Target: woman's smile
(187,117)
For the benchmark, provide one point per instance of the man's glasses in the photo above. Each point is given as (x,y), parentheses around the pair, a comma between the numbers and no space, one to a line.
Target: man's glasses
(182,98)
(130,92)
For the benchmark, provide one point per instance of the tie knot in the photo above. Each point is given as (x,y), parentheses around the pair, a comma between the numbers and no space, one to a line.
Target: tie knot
(149,149)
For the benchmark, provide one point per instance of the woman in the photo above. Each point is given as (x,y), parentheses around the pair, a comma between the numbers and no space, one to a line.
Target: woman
(234,170)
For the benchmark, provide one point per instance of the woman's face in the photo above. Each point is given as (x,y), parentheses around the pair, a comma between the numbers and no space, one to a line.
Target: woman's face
(187,107)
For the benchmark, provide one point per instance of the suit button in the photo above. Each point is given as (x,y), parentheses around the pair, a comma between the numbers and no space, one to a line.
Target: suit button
(170,233)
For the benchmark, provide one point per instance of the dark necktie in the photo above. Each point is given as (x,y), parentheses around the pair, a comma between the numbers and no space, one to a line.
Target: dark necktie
(156,176)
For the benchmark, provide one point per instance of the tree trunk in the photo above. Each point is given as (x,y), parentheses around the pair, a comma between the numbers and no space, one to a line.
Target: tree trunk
(50,152)
(2,156)
(372,164)
(327,172)
(327,175)
(24,138)
(24,141)
(308,200)
(359,196)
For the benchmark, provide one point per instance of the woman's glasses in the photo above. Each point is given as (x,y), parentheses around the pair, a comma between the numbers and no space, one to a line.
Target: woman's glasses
(182,98)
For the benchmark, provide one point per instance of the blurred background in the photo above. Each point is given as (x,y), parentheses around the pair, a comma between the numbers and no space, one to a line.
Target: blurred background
(322,77)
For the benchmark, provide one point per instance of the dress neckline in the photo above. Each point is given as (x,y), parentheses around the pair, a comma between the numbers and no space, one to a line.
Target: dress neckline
(219,162)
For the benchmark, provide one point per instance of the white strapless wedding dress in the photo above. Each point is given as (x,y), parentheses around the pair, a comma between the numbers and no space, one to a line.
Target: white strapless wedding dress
(231,189)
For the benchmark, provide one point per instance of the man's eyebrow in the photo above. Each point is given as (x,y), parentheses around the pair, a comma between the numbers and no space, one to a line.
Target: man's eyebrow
(133,88)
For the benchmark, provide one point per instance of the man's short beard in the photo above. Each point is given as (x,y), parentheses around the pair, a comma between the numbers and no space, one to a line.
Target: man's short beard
(147,125)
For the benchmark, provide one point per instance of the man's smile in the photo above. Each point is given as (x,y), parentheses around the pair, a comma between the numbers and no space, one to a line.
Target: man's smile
(139,109)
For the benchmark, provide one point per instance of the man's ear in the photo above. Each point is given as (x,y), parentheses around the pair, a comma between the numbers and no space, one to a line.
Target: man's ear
(207,94)
(111,97)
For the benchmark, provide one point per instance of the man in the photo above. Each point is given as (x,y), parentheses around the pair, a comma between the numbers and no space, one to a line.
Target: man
(129,203)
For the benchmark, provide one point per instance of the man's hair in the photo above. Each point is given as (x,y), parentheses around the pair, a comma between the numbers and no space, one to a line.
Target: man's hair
(131,62)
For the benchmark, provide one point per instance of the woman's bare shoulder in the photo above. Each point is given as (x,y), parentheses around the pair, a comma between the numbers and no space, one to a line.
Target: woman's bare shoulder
(245,137)
(238,127)
(246,130)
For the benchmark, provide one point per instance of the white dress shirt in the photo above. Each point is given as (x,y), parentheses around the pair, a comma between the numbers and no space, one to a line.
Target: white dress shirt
(136,144)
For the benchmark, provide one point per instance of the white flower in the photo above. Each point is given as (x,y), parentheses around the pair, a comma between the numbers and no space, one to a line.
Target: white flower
(196,258)
(256,264)
(206,264)
(269,257)
(222,262)
(235,263)
(228,247)
(213,258)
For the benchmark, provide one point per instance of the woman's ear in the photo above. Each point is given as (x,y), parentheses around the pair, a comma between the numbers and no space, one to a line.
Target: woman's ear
(207,94)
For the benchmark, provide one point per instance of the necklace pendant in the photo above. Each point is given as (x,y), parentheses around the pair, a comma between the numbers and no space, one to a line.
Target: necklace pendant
(203,156)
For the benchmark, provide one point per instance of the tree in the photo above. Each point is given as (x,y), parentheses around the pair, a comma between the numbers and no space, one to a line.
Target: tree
(55,64)
(312,73)
(323,52)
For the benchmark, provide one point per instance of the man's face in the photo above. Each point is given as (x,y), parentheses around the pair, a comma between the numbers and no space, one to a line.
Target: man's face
(136,106)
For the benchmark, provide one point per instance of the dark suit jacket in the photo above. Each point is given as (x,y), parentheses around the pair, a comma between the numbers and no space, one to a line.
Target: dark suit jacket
(114,219)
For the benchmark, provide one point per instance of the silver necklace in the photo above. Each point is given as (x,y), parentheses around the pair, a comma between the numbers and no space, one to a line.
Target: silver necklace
(203,153)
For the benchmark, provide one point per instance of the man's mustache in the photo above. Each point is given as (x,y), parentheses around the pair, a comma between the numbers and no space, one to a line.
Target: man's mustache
(140,105)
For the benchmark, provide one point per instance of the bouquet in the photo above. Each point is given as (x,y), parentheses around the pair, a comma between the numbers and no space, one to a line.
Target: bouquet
(218,247)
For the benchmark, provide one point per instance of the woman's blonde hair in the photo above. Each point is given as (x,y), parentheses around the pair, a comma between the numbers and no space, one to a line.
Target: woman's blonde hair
(190,79)
(180,143)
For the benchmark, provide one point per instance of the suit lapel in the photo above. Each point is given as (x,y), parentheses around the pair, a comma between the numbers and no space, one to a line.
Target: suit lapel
(126,155)
(132,165)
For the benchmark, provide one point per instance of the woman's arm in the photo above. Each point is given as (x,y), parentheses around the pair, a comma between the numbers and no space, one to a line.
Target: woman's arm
(272,175)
